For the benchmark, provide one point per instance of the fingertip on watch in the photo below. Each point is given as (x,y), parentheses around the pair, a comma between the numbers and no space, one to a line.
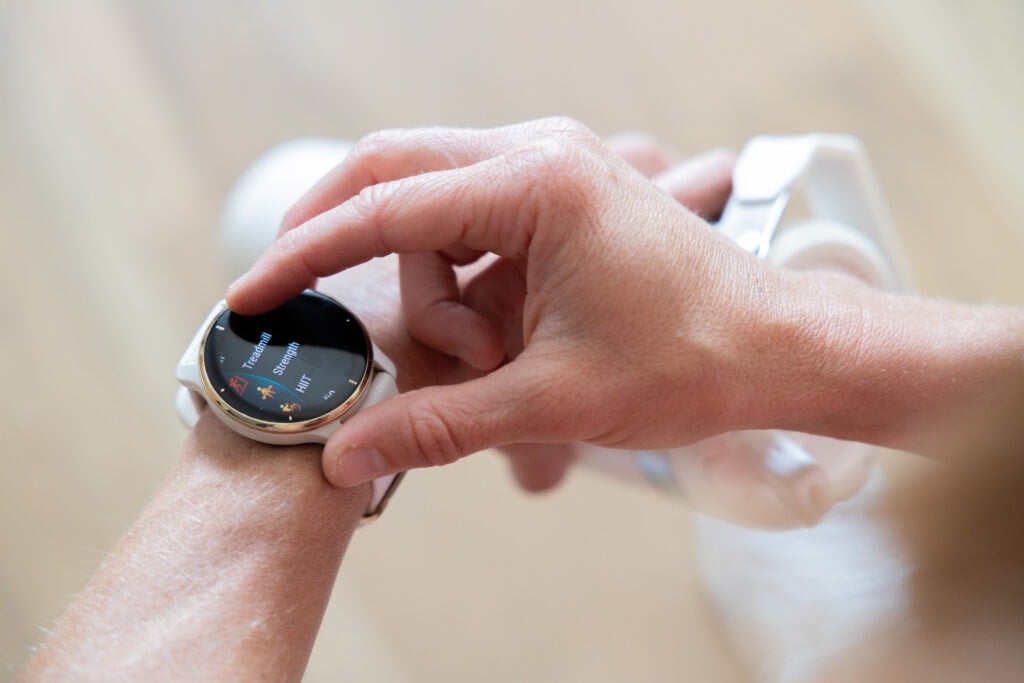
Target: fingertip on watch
(246,296)
(235,295)
(350,466)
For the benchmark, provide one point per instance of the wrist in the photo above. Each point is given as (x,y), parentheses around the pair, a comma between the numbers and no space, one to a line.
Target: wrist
(853,362)
(782,348)
(238,534)
(827,355)
(272,486)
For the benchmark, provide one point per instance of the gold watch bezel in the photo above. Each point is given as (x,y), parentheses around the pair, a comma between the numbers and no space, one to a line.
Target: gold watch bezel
(268,426)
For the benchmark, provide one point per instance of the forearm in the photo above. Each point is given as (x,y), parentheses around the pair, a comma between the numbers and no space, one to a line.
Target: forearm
(224,576)
(886,369)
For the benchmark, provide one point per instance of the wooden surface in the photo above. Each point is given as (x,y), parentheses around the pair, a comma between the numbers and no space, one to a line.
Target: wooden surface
(122,124)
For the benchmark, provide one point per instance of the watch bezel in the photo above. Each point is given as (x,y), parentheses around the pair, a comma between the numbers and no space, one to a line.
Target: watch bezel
(268,426)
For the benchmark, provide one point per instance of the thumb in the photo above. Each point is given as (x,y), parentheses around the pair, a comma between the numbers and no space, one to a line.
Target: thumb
(438,425)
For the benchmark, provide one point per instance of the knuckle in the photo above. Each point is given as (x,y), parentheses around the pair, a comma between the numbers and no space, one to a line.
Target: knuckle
(443,148)
(372,208)
(554,159)
(294,246)
(377,144)
(433,148)
(570,128)
(433,436)
(562,174)
(549,189)
(368,201)
(293,218)
(375,151)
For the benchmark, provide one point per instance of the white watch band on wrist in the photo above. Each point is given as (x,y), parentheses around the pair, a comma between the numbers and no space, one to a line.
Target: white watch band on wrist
(193,397)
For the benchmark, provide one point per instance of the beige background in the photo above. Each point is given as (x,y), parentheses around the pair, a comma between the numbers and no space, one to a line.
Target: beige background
(122,124)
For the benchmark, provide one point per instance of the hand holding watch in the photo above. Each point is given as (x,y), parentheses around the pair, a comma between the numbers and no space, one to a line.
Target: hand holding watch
(761,193)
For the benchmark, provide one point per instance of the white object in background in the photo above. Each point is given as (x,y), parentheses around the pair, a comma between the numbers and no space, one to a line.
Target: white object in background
(794,602)
(260,197)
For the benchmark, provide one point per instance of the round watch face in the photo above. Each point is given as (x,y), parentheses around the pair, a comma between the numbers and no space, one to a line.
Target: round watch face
(294,365)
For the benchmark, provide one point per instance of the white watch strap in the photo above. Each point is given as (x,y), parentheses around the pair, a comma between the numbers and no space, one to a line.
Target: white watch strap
(832,175)
(382,388)
(189,404)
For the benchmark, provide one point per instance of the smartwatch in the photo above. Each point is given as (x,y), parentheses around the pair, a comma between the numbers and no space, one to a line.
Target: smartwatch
(288,376)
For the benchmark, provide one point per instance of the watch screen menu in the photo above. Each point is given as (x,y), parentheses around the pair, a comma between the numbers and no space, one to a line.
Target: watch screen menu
(295,363)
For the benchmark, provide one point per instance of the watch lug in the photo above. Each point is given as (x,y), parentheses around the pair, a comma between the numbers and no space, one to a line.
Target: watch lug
(383,489)
(190,405)
(191,355)
(382,362)
(752,224)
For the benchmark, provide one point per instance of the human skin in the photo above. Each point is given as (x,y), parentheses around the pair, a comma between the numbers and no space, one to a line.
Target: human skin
(640,326)
(224,576)
(226,573)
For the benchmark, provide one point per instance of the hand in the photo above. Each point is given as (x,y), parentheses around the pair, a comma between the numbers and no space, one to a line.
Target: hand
(701,184)
(641,327)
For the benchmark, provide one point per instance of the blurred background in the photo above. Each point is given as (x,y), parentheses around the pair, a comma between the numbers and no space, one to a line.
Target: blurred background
(122,125)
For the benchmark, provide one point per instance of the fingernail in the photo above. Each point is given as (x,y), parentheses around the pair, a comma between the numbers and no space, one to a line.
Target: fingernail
(482,358)
(358,464)
(472,359)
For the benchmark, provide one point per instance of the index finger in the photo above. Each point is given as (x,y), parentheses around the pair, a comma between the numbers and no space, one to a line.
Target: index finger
(390,155)
(479,206)
(393,154)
